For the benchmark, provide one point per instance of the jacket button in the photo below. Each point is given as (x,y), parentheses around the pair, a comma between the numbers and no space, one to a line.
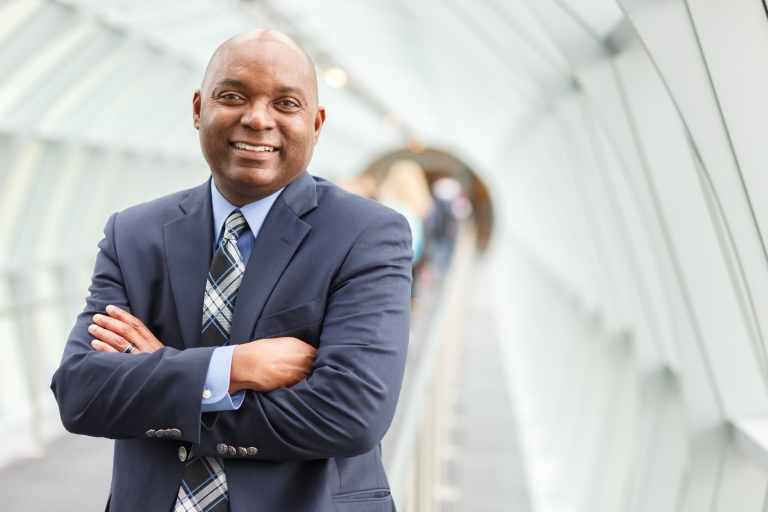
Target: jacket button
(232,450)
(242,452)
(182,454)
(252,451)
(221,448)
(151,433)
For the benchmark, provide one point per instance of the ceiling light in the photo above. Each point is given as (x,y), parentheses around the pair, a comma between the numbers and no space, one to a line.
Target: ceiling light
(392,123)
(335,77)
(416,143)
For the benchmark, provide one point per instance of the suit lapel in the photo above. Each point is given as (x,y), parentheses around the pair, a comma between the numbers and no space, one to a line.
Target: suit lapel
(279,238)
(188,247)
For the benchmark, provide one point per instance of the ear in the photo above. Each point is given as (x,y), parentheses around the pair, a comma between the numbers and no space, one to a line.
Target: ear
(196,109)
(319,120)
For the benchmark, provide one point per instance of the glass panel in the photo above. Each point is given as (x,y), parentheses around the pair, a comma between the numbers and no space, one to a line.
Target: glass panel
(14,13)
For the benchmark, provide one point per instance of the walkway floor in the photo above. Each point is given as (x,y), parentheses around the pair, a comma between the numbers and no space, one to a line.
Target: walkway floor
(487,471)
(72,476)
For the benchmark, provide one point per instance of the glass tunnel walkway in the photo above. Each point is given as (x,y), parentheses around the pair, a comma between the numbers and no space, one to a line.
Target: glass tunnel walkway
(595,342)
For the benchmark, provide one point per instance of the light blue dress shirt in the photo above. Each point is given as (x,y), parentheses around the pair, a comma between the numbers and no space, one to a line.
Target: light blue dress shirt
(215,395)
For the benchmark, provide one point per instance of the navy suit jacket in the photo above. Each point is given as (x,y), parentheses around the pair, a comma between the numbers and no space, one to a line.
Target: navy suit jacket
(328,267)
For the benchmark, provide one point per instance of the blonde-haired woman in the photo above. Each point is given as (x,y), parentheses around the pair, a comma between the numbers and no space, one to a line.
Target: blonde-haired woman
(405,189)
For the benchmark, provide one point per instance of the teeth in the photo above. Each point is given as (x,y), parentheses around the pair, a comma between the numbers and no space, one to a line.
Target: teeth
(243,145)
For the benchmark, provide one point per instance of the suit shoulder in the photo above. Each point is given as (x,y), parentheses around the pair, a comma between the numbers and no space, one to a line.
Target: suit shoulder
(346,217)
(157,211)
(338,201)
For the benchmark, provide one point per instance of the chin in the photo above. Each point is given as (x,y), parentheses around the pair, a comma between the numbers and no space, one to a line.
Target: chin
(261,180)
(255,177)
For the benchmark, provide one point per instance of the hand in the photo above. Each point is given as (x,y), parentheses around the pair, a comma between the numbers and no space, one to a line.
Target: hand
(114,332)
(264,365)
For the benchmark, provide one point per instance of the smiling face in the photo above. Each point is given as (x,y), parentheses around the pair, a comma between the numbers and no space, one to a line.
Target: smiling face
(258,116)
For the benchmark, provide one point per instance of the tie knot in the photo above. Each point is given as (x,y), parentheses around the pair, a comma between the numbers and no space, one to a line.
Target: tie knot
(234,226)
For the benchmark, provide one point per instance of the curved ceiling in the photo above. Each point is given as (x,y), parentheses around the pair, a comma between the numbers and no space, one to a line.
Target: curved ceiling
(462,75)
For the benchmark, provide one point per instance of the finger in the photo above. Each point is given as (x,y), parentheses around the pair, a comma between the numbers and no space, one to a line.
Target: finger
(130,320)
(102,347)
(114,340)
(119,328)
(133,322)
(105,347)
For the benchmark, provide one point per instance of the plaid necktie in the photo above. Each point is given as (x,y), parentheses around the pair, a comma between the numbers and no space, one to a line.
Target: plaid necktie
(204,484)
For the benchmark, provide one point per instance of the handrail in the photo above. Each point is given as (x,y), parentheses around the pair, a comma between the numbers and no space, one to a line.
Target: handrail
(27,316)
(421,392)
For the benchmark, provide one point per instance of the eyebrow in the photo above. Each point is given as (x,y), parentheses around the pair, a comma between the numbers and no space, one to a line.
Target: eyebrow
(291,90)
(231,83)
(285,89)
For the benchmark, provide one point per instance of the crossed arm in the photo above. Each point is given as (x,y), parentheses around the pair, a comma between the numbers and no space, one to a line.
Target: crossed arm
(261,365)
(342,409)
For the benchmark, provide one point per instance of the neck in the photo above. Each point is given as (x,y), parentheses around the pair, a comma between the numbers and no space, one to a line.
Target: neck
(236,196)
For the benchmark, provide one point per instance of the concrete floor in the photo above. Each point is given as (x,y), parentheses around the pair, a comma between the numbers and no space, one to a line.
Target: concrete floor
(73,475)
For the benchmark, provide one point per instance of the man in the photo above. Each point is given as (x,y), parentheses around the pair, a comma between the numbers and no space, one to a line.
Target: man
(163,359)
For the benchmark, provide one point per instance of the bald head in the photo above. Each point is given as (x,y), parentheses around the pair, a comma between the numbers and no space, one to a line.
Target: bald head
(257,41)
(257,114)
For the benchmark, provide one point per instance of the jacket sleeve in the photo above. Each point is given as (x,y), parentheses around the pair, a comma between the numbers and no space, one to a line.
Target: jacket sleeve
(346,406)
(123,396)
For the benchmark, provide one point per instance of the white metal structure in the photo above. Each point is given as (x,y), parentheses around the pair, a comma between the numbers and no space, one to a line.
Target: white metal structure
(625,145)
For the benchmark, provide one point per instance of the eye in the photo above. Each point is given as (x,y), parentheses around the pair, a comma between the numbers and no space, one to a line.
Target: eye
(230,96)
(288,103)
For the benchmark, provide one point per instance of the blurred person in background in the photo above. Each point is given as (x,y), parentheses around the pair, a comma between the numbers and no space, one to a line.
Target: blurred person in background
(364,185)
(453,207)
(162,359)
(405,189)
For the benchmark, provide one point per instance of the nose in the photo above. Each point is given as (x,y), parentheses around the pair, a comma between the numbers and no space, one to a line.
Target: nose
(258,116)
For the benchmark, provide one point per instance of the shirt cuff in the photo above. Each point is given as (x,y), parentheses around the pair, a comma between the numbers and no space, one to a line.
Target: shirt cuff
(215,393)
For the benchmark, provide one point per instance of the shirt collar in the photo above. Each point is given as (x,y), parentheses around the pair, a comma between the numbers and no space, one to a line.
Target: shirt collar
(254,213)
